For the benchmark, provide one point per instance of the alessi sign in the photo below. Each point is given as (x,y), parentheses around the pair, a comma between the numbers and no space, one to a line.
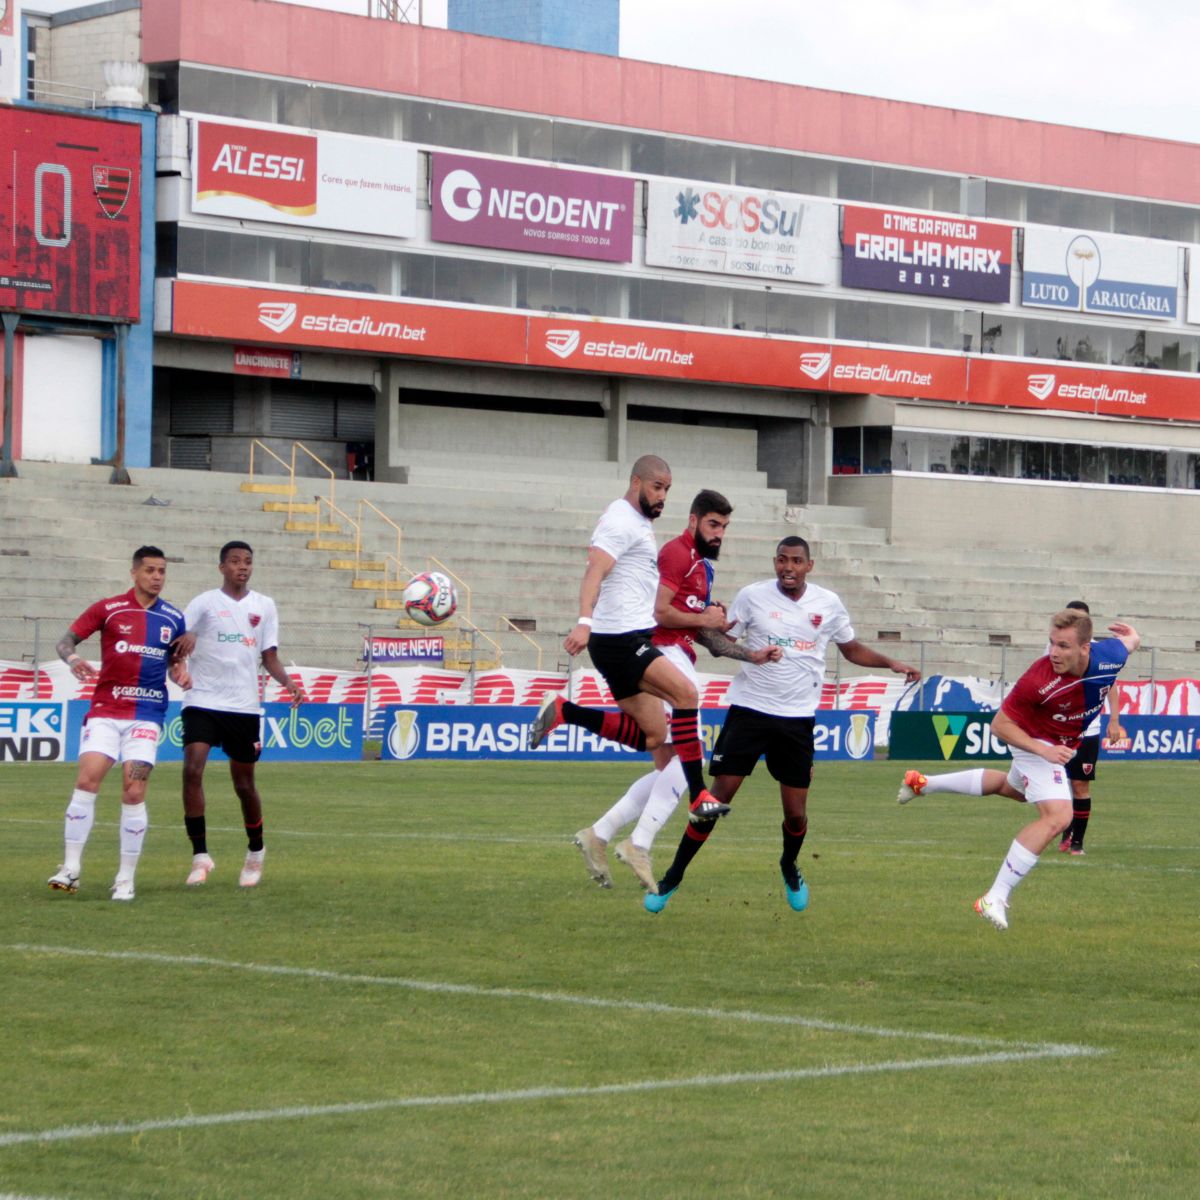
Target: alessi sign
(282,318)
(326,180)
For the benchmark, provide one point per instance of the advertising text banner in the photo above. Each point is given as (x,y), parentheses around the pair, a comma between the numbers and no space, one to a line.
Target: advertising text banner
(502,731)
(321,180)
(740,231)
(927,255)
(33,731)
(510,205)
(70,214)
(274,364)
(404,649)
(1100,273)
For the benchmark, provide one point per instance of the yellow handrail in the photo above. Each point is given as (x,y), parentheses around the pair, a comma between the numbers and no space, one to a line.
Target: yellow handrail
(401,572)
(537,649)
(463,585)
(490,640)
(290,468)
(383,516)
(320,463)
(334,510)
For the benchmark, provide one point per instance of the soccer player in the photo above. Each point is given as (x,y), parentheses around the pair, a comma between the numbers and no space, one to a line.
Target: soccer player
(1081,770)
(772,705)
(616,621)
(230,630)
(685,575)
(1042,719)
(138,633)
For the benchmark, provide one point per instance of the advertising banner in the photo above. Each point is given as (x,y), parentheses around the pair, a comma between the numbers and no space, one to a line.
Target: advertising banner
(1193,291)
(1100,273)
(33,732)
(925,735)
(274,364)
(922,254)
(404,649)
(502,731)
(70,214)
(740,231)
(510,205)
(320,180)
(1155,737)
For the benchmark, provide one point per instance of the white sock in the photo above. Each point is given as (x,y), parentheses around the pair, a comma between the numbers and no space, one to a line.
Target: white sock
(1018,862)
(627,809)
(77,827)
(966,783)
(133,834)
(670,785)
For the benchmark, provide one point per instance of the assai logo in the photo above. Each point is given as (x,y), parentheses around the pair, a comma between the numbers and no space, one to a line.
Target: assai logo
(276,316)
(462,196)
(562,342)
(404,737)
(1040,386)
(815,365)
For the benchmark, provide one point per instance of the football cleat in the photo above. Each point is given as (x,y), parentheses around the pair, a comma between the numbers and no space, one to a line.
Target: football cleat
(794,886)
(252,868)
(1077,851)
(549,716)
(913,785)
(122,888)
(638,861)
(993,911)
(202,866)
(655,902)
(594,858)
(1064,846)
(706,807)
(64,880)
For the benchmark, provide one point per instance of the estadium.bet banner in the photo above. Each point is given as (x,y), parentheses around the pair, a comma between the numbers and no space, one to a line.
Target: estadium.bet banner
(502,731)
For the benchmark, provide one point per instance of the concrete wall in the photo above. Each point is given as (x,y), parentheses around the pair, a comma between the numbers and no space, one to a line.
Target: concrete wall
(75,50)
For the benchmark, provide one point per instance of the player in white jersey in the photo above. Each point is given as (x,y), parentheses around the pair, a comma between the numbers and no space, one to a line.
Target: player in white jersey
(772,705)
(232,629)
(615,625)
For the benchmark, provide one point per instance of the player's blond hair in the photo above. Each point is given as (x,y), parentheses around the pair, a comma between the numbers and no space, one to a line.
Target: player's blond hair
(1072,618)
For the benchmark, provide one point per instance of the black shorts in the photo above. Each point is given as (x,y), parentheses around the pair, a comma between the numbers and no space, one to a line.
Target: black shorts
(238,734)
(748,734)
(622,658)
(1083,766)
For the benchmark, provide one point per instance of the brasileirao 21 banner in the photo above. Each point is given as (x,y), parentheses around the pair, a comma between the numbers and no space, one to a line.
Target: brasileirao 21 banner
(1100,273)
(924,254)
(502,731)
(740,231)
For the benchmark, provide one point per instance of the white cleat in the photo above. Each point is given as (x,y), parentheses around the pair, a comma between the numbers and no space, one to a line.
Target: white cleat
(995,911)
(638,861)
(122,889)
(252,868)
(64,880)
(594,857)
(202,867)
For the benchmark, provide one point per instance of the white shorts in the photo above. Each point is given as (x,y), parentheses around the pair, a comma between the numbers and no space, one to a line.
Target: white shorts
(122,741)
(677,656)
(1038,780)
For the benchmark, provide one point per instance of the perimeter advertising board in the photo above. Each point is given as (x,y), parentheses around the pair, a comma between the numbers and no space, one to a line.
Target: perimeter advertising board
(511,205)
(321,180)
(923,254)
(70,214)
(1100,273)
(740,231)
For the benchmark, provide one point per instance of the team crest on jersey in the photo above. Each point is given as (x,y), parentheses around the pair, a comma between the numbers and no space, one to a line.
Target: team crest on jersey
(1058,777)
(815,618)
(254,620)
(164,633)
(1088,768)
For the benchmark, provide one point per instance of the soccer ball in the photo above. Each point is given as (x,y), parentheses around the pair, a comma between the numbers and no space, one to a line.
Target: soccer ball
(430,598)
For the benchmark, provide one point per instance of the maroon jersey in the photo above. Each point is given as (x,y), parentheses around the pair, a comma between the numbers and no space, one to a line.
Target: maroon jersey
(1058,708)
(681,567)
(134,643)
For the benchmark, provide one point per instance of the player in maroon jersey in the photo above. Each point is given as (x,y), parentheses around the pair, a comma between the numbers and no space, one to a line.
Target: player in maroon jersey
(138,630)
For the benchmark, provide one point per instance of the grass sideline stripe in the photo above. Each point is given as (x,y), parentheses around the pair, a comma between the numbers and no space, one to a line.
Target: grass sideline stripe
(504,993)
(69,1133)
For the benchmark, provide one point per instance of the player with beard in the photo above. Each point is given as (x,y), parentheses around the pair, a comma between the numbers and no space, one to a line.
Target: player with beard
(616,622)
(686,614)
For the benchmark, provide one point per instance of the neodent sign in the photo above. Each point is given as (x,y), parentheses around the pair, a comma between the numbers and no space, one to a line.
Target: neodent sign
(543,210)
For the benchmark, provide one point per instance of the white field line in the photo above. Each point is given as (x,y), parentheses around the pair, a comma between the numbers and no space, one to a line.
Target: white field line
(68,1133)
(583,1001)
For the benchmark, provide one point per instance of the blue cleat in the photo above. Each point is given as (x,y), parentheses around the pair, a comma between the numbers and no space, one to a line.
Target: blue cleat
(656,902)
(794,887)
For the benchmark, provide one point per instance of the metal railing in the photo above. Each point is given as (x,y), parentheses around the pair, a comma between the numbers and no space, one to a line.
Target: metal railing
(290,468)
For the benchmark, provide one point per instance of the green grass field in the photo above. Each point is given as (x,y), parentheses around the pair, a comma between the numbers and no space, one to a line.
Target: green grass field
(427,997)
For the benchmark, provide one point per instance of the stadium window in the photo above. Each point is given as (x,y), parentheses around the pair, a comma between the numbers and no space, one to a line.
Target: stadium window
(355,112)
(854,181)
(1004,201)
(1081,211)
(1131,217)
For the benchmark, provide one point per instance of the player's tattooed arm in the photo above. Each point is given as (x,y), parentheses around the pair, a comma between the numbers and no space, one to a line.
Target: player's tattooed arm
(720,645)
(80,667)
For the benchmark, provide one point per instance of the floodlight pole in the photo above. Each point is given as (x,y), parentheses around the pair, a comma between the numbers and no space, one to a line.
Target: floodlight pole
(119,473)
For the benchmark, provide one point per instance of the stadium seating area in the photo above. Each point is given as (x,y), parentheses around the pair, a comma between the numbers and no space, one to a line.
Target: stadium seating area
(515,531)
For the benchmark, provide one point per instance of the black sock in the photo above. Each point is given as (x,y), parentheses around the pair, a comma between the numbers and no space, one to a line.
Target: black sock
(194,826)
(575,714)
(793,839)
(685,736)
(1079,821)
(254,834)
(694,836)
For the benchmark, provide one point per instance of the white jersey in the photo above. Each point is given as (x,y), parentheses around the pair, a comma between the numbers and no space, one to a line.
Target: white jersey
(231,636)
(764,616)
(628,591)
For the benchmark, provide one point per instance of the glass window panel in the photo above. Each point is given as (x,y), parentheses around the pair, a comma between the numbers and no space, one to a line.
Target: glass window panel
(1005,201)
(854,181)
(847,451)
(1000,334)
(1042,206)
(1078,211)
(748,310)
(876,450)
(1173,223)
(960,455)
(535,139)
(416,276)
(1131,217)
(647,154)
(590,145)
(798,316)
(698,160)
(354,112)
(351,268)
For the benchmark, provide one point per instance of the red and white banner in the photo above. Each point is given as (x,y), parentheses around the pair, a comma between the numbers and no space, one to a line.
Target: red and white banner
(274,364)
(323,180)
